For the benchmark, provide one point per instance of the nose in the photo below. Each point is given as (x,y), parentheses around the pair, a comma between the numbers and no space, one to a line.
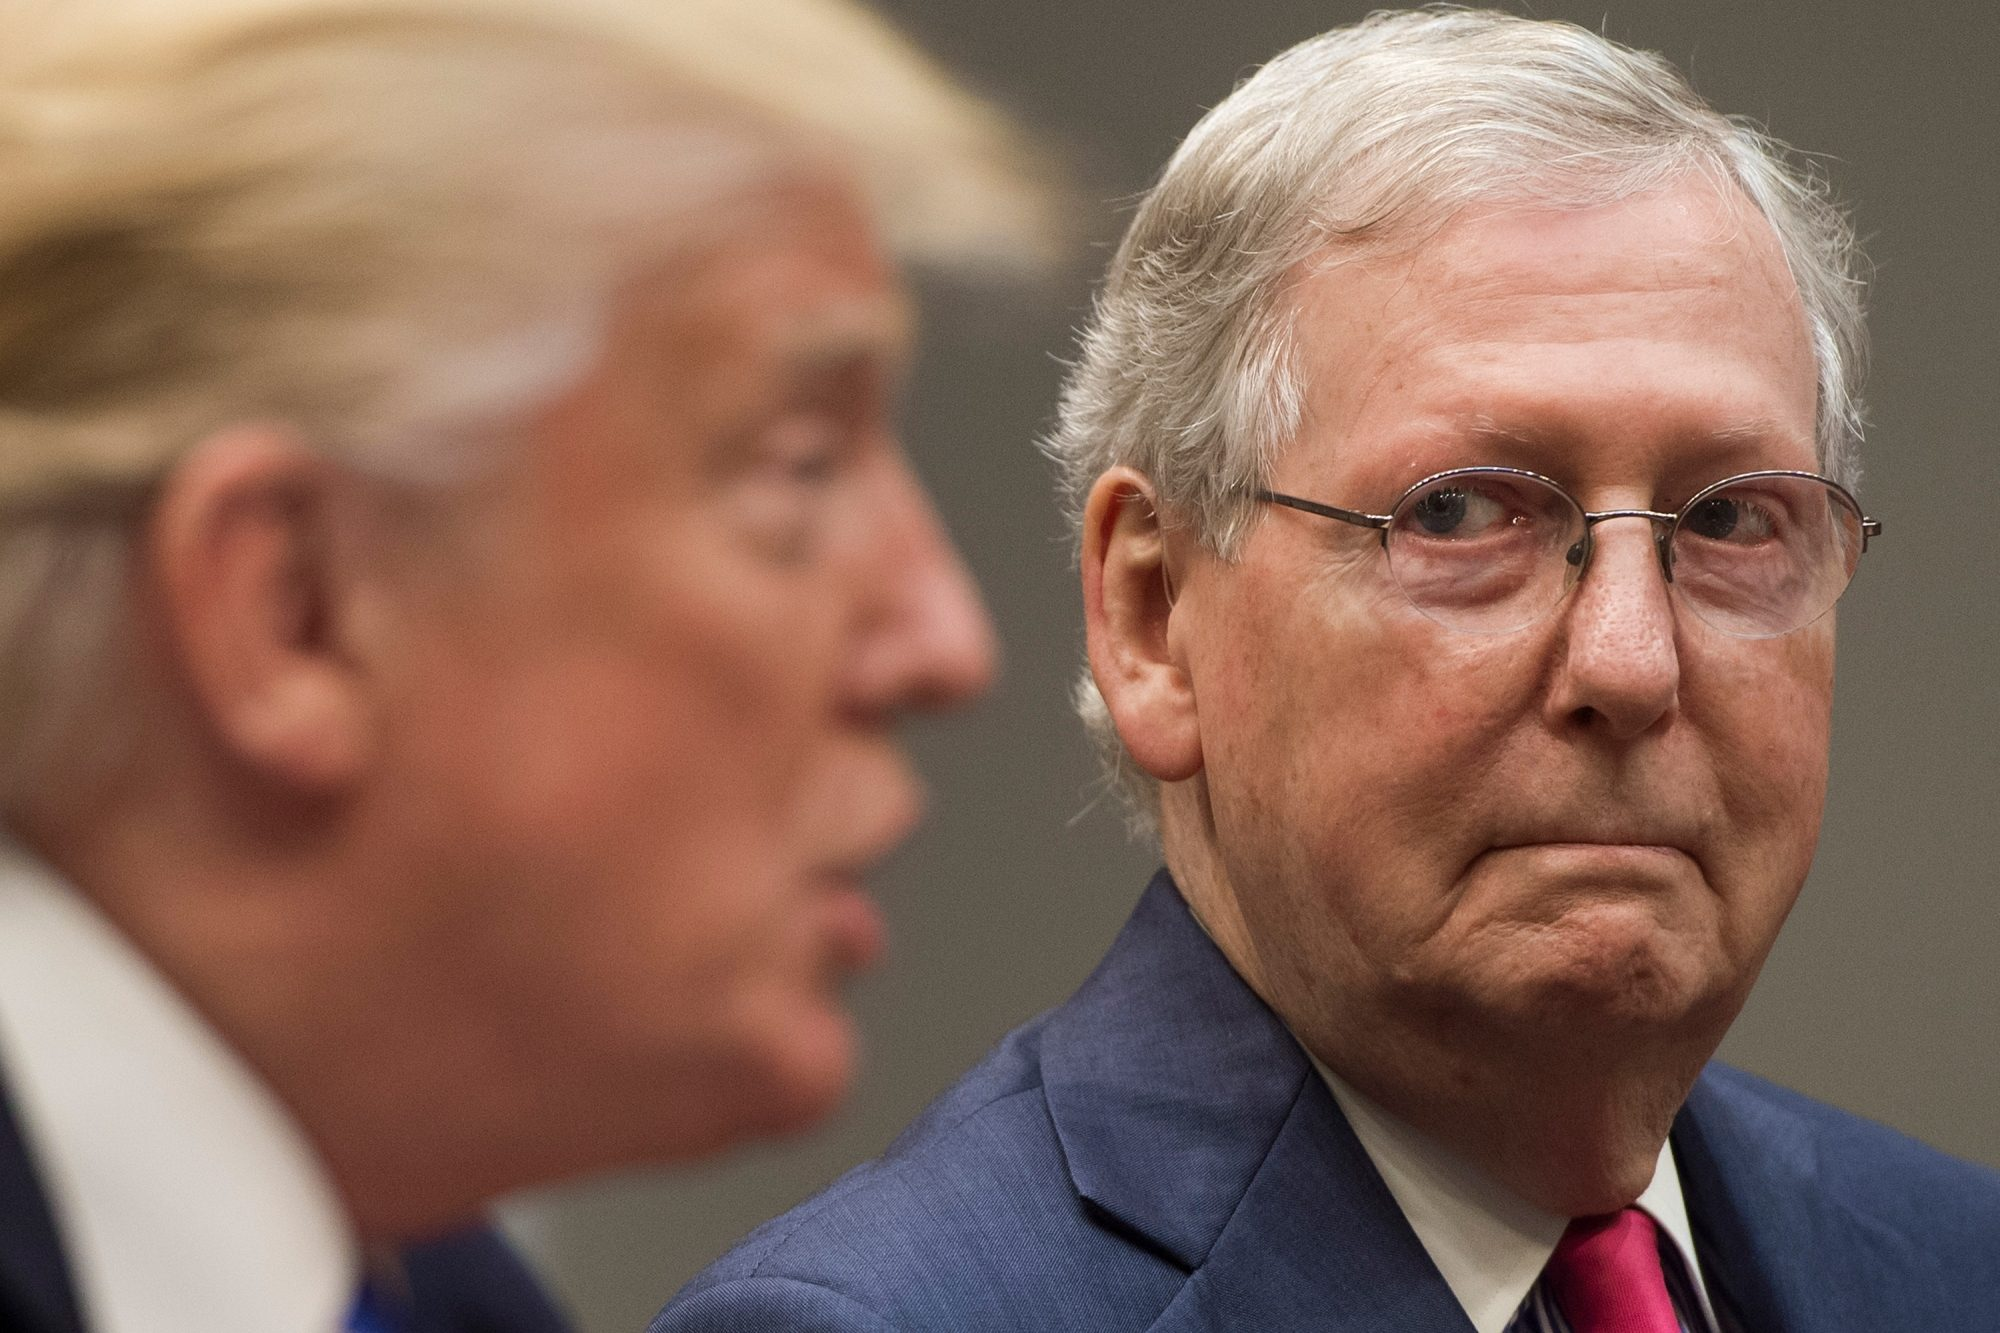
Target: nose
(1619,666)
(925,642)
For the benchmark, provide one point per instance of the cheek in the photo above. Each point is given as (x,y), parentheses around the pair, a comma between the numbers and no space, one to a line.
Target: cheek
(1393,735)
(1353,769)
(696,726)
(620,734)
(639,822)
(1771,713)
(1768,715)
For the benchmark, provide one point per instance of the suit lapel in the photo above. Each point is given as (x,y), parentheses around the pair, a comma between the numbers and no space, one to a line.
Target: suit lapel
(1190,1119)
(36,1295)
(1781,1250)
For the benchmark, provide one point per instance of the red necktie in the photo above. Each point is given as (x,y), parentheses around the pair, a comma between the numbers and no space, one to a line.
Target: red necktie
(1605,1274)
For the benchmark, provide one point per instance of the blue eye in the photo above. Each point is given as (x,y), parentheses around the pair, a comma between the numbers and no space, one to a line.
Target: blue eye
(1440,512)
(1455,511)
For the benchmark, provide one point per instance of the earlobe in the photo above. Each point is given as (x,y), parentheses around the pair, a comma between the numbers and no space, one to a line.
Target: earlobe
(1129,600)
(252,600)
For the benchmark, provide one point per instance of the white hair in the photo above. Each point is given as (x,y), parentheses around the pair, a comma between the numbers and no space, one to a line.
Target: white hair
(1374,135)
(394,225)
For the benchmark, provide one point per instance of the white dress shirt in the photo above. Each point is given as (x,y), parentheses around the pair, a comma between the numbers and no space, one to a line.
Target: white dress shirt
(187,1199)
(1489,1244)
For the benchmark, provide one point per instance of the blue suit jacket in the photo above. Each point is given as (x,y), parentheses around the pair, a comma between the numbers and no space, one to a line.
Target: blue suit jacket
(1158,1154)
(465,1283)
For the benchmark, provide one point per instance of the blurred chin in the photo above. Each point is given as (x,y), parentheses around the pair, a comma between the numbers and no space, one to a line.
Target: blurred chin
(798,1074)
(743,1086)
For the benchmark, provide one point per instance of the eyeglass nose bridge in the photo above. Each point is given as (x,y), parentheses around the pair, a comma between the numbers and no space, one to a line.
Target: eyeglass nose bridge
(1578,555)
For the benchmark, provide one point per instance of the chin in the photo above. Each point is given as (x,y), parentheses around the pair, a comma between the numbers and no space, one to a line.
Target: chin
(800,1073)
(1615,970)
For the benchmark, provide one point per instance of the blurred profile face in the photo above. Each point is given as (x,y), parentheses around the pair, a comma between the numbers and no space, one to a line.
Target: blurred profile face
(1442,840)
(650,729)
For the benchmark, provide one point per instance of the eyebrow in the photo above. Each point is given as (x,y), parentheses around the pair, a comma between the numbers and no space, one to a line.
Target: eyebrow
(839,336)
(1755,430)
(1748,431)
(812,355)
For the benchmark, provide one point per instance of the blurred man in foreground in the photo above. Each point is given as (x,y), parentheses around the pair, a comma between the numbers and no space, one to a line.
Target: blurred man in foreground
(1461,449)
(458,584)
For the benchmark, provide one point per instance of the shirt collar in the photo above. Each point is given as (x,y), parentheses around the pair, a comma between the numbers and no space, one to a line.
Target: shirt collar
(1488,1244)
(188,1199)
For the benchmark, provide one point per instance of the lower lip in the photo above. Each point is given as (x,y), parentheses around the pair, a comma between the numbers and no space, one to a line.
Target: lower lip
(854,926)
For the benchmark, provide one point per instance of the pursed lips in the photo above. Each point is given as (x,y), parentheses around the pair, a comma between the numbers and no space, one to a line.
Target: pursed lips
(1577,840)
(1652,839)
(1636,858)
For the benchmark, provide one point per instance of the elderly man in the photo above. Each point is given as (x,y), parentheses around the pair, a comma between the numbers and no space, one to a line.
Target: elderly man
(1460,451)
(457,585)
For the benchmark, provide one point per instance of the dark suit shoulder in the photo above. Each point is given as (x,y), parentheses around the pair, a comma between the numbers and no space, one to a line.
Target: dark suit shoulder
(472,1282)
(968,1222)
(1854,1162)
(759,1304)
(1810,1217)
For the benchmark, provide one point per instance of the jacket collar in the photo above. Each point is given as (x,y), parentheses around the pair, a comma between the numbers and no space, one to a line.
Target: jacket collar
(1190,1118)
(35,1286)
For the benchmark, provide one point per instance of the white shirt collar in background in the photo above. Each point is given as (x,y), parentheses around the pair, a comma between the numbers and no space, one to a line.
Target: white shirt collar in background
(188,1200)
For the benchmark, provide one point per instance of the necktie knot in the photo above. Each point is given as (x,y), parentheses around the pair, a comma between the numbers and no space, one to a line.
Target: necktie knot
(1605,1274)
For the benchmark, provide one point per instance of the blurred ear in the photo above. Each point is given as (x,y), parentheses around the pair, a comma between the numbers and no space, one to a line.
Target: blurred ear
(255,602)
(1127,604)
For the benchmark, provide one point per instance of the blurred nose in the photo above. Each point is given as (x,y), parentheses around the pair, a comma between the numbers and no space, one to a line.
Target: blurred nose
(1619,670)
(925,642)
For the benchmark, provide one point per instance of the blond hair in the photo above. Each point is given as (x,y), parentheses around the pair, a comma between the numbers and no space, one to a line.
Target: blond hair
(393,224)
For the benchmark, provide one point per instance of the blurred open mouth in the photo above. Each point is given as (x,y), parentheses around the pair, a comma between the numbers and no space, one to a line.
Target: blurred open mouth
(852,923)
(855,929)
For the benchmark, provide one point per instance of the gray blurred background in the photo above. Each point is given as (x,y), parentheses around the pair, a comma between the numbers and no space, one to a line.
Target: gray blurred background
(1880,995)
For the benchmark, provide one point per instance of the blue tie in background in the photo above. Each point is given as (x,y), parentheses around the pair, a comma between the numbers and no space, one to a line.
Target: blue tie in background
(374,1312)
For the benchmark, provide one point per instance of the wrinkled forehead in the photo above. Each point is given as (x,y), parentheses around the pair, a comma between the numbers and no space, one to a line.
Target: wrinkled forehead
(1566,239)
(1674,306)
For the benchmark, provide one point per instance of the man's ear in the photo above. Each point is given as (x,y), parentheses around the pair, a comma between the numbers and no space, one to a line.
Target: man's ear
(255,601)
(1128,600)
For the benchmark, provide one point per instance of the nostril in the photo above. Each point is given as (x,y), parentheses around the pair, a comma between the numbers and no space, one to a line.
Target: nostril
(1586,718)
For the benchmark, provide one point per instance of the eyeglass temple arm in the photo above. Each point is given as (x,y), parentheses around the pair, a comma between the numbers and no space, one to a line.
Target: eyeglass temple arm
(1379,522)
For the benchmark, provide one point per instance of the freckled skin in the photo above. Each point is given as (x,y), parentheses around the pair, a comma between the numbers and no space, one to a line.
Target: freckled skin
(1514,886)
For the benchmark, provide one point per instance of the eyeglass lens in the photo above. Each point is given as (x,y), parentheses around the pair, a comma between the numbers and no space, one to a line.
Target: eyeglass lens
(1493,551)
